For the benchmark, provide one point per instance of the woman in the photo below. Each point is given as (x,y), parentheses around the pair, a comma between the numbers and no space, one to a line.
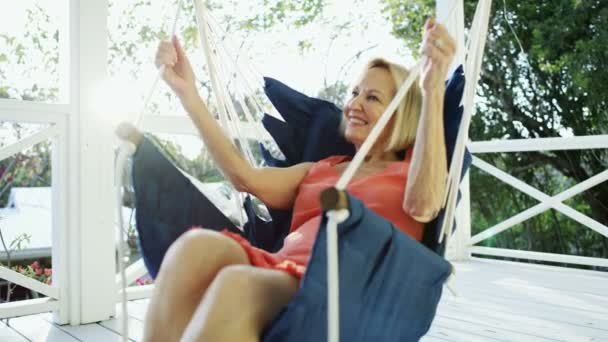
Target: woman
(216,287)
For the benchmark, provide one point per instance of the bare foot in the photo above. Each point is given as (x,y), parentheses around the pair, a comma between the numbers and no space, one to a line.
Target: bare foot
(127,131)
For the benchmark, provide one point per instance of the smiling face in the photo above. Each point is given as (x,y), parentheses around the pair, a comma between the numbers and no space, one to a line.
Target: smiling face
(370,97)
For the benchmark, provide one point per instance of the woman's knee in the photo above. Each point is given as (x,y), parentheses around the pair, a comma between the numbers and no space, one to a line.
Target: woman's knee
(235,278)
(199,245)
(232,293)
(257,293)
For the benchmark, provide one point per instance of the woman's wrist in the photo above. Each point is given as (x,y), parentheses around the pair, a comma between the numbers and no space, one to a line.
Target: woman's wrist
(433,91)
(190,101)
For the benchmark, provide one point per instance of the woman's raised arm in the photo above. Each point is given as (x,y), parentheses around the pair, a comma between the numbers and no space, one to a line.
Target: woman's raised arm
(428,173)
(276,187)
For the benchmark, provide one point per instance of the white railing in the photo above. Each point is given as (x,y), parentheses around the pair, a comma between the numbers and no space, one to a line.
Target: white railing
(82,179)
(546,202)
(55,116)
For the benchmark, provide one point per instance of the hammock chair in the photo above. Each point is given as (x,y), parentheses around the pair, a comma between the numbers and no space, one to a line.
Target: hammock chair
(389,285)
(308,134)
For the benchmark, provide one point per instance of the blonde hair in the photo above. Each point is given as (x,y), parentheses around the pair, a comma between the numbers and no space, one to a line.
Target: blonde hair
(405,119)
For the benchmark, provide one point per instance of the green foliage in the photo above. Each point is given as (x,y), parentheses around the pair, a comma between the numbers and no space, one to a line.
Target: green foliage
(556,86)
(296,13)
(20,242)
(34,54)
(407,18)
(335,93)
(36,271)
(31,168)
(202,167)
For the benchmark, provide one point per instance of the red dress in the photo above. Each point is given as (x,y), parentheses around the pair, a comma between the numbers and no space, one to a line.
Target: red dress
(381,192)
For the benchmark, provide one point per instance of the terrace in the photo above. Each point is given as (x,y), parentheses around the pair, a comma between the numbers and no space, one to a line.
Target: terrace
(497,300)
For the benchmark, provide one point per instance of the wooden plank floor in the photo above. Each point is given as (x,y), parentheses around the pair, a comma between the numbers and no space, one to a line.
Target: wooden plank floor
(497,301)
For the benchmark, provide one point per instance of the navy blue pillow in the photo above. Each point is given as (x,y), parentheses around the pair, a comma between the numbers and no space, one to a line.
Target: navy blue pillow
(310,131)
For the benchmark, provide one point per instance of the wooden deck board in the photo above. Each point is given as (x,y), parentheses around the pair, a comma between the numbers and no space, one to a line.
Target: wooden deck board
(136,326)
(513,327)
(550,277)
(498,301)
(556,321)
(8,334)
(87,332)
(35,328)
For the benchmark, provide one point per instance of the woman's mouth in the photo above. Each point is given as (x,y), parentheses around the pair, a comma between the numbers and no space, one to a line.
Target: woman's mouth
(356,120)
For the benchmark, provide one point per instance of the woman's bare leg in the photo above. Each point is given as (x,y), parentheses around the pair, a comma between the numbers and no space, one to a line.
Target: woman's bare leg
(239,304)
(189,267)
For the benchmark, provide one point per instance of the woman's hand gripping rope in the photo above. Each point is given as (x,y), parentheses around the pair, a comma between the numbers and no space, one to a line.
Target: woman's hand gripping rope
(438,47)
(177,71)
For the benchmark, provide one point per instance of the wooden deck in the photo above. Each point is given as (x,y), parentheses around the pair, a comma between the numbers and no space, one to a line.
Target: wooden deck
(498,301)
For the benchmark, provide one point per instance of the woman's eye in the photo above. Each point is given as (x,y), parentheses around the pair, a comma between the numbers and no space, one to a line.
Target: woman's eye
(373,98)
(355,93)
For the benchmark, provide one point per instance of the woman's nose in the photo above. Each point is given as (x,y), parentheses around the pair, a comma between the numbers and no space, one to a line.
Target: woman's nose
(355,102)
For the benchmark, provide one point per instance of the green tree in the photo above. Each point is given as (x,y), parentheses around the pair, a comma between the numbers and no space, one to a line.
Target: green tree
(543,76)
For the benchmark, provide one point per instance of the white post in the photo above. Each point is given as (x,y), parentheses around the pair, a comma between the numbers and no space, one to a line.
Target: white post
(61,227)
(60,250)
(91,263)
(463,223)
(455,24)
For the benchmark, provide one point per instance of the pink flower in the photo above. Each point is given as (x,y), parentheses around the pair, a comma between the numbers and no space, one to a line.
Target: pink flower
(145,280)
(35,265)
(39,272)
(48,271)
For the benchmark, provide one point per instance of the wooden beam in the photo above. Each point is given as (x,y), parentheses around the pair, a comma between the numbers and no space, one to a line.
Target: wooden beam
(173,124)
(91,263)
(28,142)
(550,257)
(27,307)
(28,283)
(547,202)
(540,144)
(32,112)
(137,292)
(134,271)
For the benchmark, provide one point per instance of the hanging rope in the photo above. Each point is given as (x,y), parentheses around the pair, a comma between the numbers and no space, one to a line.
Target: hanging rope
(476,45)
(247,83)
(126,150)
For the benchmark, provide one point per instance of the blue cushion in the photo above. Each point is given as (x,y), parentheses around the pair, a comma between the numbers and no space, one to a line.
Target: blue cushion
(390,285)
(310,131)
